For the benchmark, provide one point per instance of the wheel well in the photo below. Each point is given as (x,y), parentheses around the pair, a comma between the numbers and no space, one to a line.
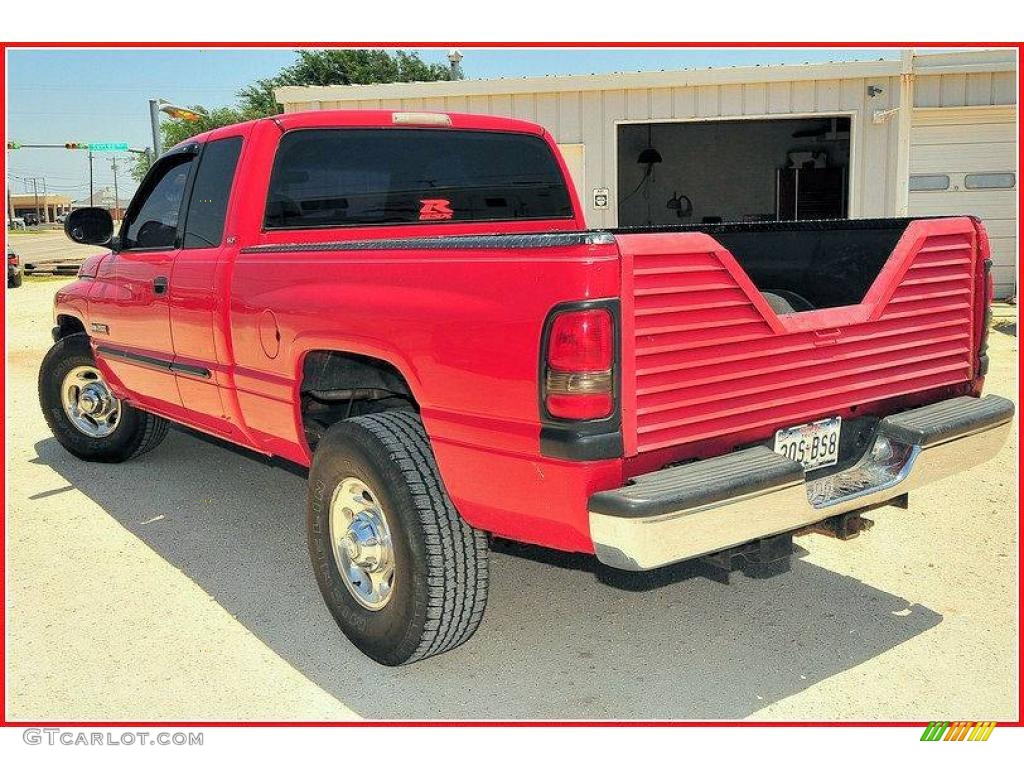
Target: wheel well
(68,325)
(338,385)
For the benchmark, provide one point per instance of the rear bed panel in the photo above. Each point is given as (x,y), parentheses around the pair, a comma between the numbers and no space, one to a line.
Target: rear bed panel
(705,356)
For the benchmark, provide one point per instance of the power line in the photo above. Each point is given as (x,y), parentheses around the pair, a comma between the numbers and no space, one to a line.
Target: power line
(101,181)
(18,173)
(139,89)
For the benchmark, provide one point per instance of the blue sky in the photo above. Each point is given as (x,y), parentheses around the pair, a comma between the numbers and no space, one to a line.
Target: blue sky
(101,96)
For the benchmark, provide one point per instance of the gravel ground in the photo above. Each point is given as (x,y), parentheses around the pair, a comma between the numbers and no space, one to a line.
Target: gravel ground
(177,587)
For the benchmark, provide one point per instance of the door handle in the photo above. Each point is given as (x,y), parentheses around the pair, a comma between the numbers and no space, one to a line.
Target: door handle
(159,285)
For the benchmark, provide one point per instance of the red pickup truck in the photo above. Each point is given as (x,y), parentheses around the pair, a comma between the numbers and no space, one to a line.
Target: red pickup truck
(411,305)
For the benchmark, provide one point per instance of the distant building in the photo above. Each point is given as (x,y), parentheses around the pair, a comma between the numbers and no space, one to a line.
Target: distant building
(47,207)
(104,198)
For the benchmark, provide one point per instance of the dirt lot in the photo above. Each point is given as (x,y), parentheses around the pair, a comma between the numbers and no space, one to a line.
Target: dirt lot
(178,587)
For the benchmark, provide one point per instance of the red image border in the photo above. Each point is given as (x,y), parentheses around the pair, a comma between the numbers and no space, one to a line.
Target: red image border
(5,46)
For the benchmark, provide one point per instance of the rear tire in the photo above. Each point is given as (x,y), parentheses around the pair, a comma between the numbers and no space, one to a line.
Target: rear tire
(113,436)
(403,575)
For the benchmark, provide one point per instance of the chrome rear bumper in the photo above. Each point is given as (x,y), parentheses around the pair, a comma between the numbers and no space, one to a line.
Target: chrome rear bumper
(684,512)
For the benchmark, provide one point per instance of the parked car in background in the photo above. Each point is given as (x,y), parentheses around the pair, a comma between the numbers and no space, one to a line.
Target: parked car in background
(31,219)
(411,305)
(14,270)
(61,218)
(17,222)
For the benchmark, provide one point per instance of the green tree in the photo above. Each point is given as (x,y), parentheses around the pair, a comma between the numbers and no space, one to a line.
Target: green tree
(359,66)
(356,66)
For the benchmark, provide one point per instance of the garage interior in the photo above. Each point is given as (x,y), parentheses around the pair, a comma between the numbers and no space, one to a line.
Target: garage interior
(709,172)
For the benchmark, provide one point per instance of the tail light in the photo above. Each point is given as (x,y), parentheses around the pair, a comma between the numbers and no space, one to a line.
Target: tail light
(579,359)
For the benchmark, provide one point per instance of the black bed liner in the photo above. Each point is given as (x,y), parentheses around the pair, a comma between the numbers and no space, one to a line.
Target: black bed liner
(824,263)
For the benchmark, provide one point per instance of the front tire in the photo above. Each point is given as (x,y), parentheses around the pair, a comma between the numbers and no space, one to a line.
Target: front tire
(403,575)
(84,415)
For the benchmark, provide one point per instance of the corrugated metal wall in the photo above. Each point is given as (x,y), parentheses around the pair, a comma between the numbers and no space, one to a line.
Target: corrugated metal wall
(589,118)
(965,90)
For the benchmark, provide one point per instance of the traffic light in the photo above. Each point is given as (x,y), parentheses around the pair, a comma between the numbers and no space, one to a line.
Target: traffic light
(76,145)
(13,145)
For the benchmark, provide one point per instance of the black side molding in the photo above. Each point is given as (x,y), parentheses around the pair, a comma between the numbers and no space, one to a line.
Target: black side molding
(191,370)
(155,362)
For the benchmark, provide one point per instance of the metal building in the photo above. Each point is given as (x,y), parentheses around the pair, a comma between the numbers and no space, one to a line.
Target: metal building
(926,134)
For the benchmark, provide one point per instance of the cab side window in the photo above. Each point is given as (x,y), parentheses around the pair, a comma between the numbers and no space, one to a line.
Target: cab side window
(208,205)
(152,223)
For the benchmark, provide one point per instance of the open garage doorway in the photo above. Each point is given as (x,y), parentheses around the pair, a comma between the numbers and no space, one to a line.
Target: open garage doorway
(709,172)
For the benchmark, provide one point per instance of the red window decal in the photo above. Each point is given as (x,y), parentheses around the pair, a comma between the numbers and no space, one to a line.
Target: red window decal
(435,210)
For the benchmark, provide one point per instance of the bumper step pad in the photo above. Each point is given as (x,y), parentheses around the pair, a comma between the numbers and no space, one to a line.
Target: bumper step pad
(750,471)
(947,420)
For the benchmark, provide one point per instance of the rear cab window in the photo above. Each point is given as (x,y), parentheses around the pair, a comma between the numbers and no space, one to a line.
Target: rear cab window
(349,177)
(208,205)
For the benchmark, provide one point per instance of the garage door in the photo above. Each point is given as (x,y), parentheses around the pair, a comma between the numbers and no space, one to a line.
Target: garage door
(964,160)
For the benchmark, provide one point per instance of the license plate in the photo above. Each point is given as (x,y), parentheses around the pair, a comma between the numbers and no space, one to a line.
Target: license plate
(813,445)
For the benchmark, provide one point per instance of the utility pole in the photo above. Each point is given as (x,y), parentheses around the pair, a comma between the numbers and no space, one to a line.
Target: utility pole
(117,198)
(7,187)
(35,194)
(154,124)
(46,202)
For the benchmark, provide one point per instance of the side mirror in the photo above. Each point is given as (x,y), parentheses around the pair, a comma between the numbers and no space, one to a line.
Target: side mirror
(89,226)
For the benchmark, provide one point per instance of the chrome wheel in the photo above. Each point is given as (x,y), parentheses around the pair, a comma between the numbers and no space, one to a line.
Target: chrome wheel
(361,542)
(88,402)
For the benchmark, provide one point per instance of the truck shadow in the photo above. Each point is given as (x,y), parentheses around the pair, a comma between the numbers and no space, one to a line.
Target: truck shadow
(563,637)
